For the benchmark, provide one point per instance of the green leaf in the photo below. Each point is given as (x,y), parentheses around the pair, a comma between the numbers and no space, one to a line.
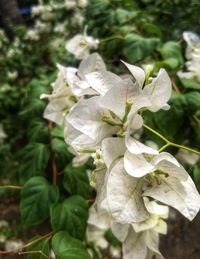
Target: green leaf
(57,132)
(171,54)
(70,215)
(62,155)
(137,47)
(193,101)
(38,131)
(190,84)
(171,121)
(123,16)
(196,173)
(37,196)
(34,162)
(76,181)
(42,246)
(152,29)
(66,247)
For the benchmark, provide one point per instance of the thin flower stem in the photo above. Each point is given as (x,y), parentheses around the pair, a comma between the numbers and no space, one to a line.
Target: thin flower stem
(119,37)
(163,147)
(11,187)
(156,133)
(27,245)
(186,148)
(169,143)
(35,252)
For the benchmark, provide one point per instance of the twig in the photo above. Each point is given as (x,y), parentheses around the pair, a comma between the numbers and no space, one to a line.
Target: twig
(27,245)
(175,87)
(35,252)
(53,162)
(11,187)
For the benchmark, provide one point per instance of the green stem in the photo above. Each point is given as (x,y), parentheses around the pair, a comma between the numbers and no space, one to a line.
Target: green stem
(163,147)
(119,37)
(156,133)
(185,148)
(169,143)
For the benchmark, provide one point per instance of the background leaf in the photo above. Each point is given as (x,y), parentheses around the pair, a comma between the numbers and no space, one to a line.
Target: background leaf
(66,247)
(37,196)
(76,181)
(70,215)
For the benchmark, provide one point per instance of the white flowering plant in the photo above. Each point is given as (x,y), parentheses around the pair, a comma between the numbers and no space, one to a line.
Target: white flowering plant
(102,150)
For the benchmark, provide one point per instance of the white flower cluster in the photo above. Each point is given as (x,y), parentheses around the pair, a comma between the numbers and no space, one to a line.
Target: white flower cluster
(51,17)
(102,115)
(2,134)
(193,56)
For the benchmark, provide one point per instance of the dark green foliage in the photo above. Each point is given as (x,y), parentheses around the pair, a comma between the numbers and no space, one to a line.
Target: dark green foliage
(66,247)
(36,198)
(70,215)
(76,181)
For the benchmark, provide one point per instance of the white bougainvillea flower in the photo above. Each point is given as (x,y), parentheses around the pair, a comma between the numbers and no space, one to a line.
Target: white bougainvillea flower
(102,81)
(2,134)
(192,53)
(78,81)
(192,40)
(80,45)
(125,95)
(158,91)
(86,117)
(137,73)
(187,157)
(98,224)
(124,195)
(79,159)
(144,245)
(139,165)
(166,176)
(112,149)
(155,220)
(77,140)
(61,99)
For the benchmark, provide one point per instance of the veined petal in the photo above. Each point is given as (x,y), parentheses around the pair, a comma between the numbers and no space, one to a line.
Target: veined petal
(92,63)
(149,223)
(56,109)
(100,218)
(124,196)
(112,148)
(137,72)
(86,117)
(116,98)
(152,242)
(159,91)
(165,162)
(137,165)
(136,147)
(101,82)
(134,247)
(173,191)
(120,230)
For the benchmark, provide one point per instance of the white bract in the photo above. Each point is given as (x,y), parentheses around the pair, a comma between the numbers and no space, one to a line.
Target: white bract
(2,134)
(80,45)
(104,120)
(193,56)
